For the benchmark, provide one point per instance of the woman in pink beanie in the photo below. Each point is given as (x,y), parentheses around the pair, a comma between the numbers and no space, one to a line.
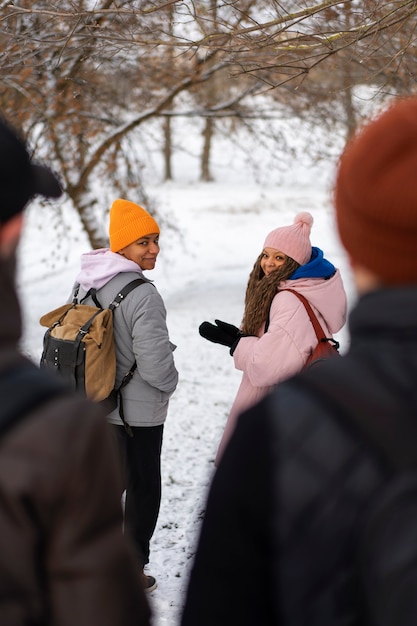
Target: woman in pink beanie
(276,336)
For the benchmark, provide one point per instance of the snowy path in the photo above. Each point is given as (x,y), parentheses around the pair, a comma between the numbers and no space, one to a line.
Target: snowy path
(198,411)
(201,274)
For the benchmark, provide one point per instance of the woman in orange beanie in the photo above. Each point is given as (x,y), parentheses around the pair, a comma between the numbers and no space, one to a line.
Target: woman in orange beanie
(141,337)
(276,336)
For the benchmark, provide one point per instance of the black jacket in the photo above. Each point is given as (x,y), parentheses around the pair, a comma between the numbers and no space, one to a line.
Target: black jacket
(280,539)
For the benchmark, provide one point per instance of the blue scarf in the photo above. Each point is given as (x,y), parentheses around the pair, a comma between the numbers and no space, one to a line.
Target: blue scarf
(317,267)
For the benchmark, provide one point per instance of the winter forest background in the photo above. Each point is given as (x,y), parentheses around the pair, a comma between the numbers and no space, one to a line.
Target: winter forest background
(224,119)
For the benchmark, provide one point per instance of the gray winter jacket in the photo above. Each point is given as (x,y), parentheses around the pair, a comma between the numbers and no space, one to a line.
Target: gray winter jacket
(140,334)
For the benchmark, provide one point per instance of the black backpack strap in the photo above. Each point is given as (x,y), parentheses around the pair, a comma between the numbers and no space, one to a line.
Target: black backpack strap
(118,395)
(125,291)
(75,294)
(90,293)
(93,293)
(22,389)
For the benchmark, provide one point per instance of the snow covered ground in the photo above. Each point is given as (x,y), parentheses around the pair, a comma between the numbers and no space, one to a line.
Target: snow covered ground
(201,272)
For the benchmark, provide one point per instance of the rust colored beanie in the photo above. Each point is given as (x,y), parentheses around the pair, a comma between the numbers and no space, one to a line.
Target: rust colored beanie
(376,195)
(128,223)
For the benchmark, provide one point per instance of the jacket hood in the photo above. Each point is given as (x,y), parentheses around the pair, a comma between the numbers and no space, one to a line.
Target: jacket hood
(328,296)
(317,267)
(100,266)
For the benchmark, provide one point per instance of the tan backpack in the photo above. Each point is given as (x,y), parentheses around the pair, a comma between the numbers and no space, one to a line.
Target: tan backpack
(79,345)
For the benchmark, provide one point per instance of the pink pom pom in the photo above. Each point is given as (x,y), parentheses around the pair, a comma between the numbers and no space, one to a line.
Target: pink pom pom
(304,218)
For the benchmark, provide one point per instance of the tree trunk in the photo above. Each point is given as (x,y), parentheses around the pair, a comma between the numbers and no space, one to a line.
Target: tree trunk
(205,157)
(167,149)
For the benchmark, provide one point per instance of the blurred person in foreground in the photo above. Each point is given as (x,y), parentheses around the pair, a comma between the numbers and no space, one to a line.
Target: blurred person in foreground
(283,539)
(63,557)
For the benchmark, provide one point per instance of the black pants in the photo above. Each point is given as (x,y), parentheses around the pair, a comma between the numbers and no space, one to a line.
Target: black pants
(141,459)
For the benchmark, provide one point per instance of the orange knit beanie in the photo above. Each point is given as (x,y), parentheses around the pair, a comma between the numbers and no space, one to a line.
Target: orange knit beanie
(128,223)
(376,195)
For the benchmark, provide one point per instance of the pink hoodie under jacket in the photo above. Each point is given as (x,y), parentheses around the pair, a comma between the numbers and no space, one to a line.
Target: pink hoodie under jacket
(282,351)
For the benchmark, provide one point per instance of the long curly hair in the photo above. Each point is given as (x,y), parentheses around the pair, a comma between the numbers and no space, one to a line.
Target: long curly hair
(260,292)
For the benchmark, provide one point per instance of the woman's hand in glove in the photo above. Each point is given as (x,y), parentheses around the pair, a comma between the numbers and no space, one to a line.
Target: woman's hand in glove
(220,332)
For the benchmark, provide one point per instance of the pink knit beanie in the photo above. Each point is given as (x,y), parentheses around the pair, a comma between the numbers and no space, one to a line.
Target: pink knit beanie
(294,241)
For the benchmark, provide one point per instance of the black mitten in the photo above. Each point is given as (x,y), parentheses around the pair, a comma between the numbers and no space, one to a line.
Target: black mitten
(233,331)
(223,333)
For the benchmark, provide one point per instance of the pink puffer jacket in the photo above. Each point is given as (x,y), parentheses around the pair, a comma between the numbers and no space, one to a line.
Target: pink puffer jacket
(282,351)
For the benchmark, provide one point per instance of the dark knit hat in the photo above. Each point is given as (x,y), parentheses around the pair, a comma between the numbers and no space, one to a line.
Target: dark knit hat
(20,178)
(376,195)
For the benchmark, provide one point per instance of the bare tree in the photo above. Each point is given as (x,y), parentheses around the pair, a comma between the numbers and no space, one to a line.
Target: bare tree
(82,78)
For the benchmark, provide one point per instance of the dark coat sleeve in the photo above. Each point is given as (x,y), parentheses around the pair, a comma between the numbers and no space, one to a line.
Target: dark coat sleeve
(64,559)
(231,574)
(93,576)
